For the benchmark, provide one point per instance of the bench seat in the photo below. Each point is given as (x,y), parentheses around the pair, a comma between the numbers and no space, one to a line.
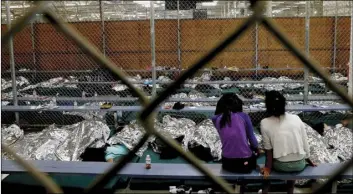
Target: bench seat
(169,171)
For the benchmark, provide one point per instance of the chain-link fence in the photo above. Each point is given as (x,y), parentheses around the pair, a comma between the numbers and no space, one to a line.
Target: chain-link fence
(156,44)
(49,65)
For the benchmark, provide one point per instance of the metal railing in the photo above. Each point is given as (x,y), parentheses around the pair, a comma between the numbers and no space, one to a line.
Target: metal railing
(147,115)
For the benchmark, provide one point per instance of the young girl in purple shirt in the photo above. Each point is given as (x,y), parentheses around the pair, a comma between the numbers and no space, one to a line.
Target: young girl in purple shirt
(237,135)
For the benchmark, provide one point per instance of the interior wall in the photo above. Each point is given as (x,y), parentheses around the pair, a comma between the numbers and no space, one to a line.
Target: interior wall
(127,44)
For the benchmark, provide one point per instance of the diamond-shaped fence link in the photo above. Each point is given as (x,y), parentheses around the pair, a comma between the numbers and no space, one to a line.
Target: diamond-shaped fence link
(55,66)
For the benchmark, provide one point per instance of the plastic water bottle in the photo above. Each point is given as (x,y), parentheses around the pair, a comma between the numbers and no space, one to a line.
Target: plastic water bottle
(148,162)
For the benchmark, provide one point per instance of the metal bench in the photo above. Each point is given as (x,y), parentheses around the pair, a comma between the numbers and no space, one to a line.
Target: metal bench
(172,171)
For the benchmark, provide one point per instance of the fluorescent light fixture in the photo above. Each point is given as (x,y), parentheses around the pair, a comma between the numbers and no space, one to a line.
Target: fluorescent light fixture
(213,3)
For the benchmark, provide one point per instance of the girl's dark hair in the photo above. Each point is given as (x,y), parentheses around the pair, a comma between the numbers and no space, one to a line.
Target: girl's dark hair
(275,103)
(229,103)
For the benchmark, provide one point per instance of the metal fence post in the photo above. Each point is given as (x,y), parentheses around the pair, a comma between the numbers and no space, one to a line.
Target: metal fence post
(257,48)
(153,51)
(12,62)
(179,50)
(350,66)
(33,45)
(307,49)
(101,11)
(335,41)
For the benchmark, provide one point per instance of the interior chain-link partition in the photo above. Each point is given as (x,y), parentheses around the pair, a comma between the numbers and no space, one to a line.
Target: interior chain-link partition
(92,52)
(179,37)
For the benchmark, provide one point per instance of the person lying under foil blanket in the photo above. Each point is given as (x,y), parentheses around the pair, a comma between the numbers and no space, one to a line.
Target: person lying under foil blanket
(65,143)
(329,148)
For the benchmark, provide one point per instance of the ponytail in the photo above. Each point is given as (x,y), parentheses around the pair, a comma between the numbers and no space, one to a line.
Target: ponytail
(225,119)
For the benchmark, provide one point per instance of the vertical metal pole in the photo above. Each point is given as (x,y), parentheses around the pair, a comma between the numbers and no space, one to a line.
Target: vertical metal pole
(335,42)
(257,48)
(12,62)
(350,65)
(153,49)
(33,45)
(179,49)
(101,12)
(307,40)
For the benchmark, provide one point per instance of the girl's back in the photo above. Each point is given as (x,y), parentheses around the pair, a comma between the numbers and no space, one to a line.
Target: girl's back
(235,135)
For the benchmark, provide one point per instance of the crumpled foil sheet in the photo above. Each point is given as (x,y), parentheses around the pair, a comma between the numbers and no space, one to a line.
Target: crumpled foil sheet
(66,143)
(334,76)
(163,79)
(174,128)
(278,86)
(324,104)
(291,103)
(260,105)
(53,83)
(243,85)
(23,147)
(82,135)
(20,81)
(131,134)
(88,115)
(192,95)
(121,87)
(4,103)
(11,134)
(195,95)
(319,152)
(48,142)
(223,86)
(341,139)
(206,76)
(207,135)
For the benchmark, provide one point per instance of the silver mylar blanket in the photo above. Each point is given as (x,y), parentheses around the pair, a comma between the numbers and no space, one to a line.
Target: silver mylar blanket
(178,127)
(11,134)
(319,152)
(83,135)
(131,134)
(20,81)
(207,135)
(341,139)
(53,83)
(66,143)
